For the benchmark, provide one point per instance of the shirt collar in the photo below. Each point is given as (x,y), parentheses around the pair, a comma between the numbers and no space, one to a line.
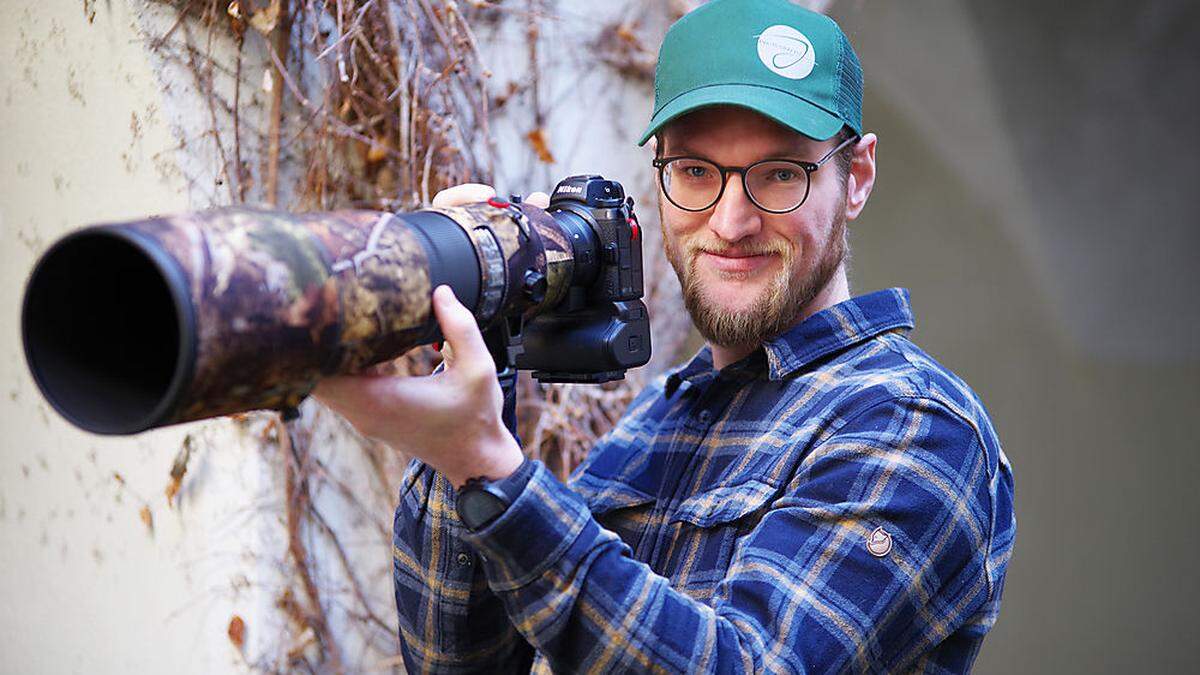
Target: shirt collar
(826,332)
(699,367)
(836,328)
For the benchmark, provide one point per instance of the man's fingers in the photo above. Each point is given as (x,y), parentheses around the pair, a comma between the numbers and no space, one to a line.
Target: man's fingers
(447,353)
(358,398)
(377,404)
(460,330)
(473,193)
(467,193)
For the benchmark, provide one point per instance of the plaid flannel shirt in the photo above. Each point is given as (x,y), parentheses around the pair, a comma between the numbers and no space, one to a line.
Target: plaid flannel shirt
(837,501)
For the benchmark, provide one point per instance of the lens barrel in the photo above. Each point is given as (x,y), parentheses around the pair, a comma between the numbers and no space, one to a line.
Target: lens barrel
(137,325)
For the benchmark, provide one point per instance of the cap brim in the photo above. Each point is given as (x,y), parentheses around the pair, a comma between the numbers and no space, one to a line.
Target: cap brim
(787,109)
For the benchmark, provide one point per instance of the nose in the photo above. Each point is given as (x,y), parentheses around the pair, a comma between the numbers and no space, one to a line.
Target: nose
(735,217)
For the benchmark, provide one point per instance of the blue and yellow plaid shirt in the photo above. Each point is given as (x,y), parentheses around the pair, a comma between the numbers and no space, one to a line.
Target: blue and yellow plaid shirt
(837,501)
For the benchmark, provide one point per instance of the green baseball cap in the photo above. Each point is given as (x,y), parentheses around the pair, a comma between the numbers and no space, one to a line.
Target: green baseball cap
(771,56)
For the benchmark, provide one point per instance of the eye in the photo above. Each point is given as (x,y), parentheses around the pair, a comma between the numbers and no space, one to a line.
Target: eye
(692,170)
(784,175)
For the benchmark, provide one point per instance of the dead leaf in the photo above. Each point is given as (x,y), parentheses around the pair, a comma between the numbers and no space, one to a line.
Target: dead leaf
(147,518)
(234,10)
(537,138)
(172,489)
(237,631)
(270,430)
(625,32)
(377,152)
(179,468)
(262,19)
(500,99)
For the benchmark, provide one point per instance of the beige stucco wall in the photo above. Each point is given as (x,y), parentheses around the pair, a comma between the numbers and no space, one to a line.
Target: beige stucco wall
(98,127)
(88,134)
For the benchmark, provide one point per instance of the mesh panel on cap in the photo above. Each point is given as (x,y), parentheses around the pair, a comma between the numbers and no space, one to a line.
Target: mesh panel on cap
(850,85)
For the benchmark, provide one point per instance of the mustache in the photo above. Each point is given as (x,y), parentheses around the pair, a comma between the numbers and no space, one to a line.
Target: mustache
(745,249)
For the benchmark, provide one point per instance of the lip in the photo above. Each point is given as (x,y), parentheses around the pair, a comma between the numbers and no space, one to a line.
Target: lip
(735,263)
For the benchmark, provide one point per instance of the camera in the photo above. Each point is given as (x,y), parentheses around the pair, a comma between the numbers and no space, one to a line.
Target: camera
(136,325)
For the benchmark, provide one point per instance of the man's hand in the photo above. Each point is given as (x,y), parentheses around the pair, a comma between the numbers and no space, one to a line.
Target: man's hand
(471,193)
(450,420)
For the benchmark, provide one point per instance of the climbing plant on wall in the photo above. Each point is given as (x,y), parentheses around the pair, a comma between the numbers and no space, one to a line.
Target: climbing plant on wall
(376,104)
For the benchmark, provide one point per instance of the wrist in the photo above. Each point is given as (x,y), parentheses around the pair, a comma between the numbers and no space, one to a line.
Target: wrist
(495,460)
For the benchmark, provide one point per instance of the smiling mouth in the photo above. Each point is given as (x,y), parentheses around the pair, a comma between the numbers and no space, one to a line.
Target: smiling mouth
(739,263)
(735,254)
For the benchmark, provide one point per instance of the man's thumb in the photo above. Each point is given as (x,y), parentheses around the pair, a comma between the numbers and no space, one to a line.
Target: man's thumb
(459,328)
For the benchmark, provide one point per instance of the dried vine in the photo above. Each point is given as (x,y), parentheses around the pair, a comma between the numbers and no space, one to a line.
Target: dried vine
(370,104)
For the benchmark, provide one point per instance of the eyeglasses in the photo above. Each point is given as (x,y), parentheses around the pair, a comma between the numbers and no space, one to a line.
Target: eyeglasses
(773,185)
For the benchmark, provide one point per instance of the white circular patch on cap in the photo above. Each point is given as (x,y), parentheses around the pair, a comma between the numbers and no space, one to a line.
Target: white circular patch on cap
(786,51)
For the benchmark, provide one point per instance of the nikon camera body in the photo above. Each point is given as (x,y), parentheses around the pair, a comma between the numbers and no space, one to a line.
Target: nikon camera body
(601,328)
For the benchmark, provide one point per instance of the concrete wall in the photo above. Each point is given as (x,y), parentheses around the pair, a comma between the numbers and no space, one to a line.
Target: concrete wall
(1036,193)
(92,128)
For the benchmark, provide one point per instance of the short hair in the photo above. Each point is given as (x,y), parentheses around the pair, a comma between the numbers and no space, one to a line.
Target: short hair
(845,157)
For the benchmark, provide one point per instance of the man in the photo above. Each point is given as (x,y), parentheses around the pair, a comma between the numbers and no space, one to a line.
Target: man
(811,492)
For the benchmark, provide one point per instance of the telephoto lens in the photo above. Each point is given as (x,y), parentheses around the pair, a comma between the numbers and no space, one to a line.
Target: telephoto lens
(136,325)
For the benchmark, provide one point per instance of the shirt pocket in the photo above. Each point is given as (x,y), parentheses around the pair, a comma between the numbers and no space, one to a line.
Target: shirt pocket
(709,526)
(616,505)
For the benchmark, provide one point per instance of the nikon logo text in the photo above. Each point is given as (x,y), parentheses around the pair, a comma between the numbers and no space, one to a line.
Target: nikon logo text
(573,189)
(786,52)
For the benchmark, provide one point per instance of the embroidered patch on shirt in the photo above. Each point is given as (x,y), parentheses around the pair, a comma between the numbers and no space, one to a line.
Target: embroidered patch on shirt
(879,542)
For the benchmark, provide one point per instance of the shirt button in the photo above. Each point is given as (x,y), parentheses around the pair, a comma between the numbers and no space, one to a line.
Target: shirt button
(463,559)
(705,416)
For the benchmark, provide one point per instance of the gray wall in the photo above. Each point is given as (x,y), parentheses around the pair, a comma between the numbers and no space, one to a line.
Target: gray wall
(1037,193)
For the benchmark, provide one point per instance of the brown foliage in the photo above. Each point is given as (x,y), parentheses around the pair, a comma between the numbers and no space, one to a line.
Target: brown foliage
(179,468)
(372,104)
(147,518)
(237,631)
(537,140)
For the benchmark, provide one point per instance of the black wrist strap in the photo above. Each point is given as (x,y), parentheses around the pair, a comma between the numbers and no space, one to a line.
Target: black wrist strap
(480,501)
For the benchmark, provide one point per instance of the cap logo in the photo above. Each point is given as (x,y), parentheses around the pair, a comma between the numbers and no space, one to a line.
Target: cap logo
(786,52)
(879,542)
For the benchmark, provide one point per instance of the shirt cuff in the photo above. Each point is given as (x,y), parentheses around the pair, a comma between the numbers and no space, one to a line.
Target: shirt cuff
(532,534)
(515,483)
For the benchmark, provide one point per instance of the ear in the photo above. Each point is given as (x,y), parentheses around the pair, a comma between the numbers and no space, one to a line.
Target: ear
(861,179)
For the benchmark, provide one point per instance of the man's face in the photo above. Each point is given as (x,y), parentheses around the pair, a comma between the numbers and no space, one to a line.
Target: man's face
(747,275)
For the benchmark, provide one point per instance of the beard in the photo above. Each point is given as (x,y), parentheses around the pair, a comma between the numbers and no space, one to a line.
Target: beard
(778,306)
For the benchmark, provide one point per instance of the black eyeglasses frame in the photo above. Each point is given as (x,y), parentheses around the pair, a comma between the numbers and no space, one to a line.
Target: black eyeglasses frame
(809,168)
